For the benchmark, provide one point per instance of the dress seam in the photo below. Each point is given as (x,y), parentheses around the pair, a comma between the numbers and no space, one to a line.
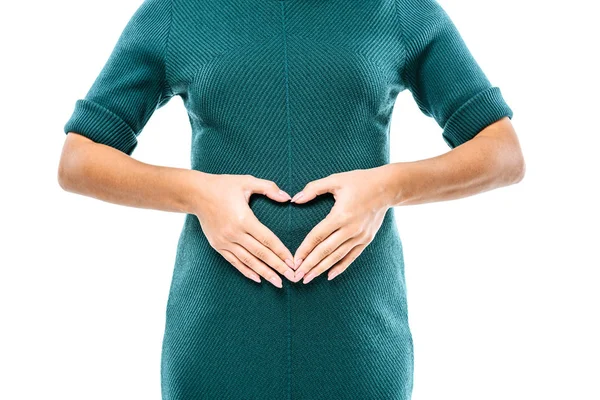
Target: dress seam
(166,82)
(289,160)
(404,48)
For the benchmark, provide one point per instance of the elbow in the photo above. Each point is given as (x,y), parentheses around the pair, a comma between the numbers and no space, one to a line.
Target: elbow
(70,166)
(503,153)
(65,175)
(519,169)
(513,167)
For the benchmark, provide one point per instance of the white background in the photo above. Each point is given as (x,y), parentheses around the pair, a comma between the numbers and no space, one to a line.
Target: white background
(502,287)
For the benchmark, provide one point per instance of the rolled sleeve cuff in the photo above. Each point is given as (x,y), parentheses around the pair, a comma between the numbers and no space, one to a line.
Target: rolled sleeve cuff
(101,125)
(481,110)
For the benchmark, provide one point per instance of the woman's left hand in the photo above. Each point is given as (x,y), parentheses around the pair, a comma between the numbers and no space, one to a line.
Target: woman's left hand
(361,201)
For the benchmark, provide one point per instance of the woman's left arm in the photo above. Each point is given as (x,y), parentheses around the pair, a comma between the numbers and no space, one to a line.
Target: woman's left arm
(491,159)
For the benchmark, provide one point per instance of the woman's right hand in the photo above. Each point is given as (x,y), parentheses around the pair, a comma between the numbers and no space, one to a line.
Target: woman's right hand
(234,231)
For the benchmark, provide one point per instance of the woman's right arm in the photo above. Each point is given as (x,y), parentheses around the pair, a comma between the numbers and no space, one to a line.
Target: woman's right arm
(220,201)
(103,131)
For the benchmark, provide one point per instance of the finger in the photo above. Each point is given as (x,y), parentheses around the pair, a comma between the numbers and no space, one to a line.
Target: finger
(256,265)
(330,260)
(315,188)
(317,234)
(323,250)
(345,262)
(265,254)
(267,238)
(233,260)
(267,188)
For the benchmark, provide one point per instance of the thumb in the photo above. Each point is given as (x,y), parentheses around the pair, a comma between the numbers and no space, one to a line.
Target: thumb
(313,189)
(269,189)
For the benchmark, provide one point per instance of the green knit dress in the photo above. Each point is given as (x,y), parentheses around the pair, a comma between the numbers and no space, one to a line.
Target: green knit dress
(289,91)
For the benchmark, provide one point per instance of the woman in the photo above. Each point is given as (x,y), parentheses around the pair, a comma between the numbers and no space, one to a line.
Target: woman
(289,97)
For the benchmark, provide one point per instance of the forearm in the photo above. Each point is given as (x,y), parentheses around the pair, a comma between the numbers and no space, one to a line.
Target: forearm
(107,174)
(484,163)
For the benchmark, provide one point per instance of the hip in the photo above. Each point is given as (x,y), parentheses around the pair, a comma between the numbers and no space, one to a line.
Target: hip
(374,283)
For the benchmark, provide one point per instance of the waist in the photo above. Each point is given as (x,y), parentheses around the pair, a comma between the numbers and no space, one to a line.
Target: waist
(292,222)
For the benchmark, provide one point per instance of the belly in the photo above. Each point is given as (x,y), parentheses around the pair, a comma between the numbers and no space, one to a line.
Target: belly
(346,336)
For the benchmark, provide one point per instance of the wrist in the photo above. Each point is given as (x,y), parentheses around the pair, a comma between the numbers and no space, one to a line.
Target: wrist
(195,186)
(394,181)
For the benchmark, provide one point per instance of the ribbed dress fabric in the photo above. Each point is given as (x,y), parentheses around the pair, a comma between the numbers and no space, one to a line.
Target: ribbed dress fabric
(289,91)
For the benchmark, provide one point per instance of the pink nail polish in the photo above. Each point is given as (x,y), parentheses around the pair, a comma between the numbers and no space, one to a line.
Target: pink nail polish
(289,275)
(297,263)
(333,275)
(297,196)
(290,263)
(308,278)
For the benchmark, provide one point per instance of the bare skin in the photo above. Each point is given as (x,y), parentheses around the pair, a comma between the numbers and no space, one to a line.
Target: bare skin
(219,201)
(492,159)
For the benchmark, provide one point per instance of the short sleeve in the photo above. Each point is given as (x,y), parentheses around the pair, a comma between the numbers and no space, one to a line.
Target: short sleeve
(132,83)
(445,80)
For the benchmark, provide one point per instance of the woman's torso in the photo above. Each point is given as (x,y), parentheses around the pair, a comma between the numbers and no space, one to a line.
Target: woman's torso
(289,91)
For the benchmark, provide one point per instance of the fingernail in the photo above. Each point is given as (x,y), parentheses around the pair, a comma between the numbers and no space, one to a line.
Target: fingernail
(332,275)
(300,275)
(297,196)
(276,282)
(289,274)
(308,278)
(297,263)
(284,194)
(255,278)
(289,263)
